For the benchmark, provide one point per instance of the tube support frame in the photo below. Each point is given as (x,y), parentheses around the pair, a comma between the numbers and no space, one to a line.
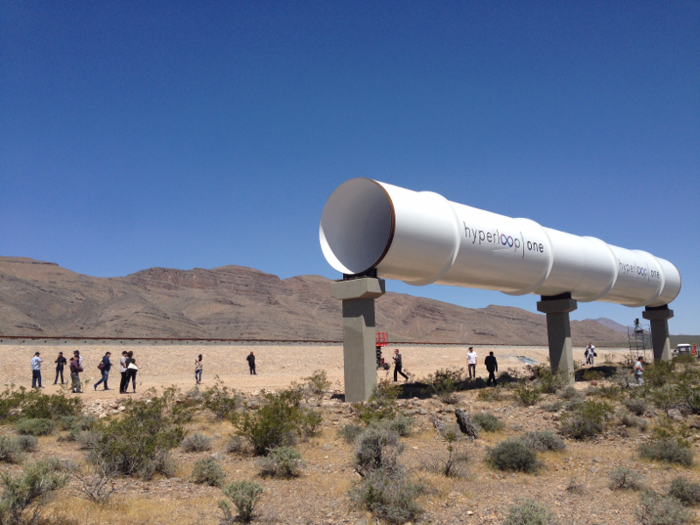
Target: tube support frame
(660,341)
(557,309)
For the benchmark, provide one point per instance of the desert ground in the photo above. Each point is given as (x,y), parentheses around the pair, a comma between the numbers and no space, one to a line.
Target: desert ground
(277,365)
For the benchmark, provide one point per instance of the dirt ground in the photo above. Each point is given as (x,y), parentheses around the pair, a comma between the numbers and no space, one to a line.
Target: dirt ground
(277,366)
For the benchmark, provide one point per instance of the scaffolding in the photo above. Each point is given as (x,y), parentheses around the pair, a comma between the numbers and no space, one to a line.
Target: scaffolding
(639,337)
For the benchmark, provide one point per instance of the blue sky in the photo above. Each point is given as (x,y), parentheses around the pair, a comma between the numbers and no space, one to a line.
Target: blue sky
(183,134)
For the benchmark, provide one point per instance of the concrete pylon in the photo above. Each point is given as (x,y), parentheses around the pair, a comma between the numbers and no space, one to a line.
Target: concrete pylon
(557,309)
(359,332)
(658,316)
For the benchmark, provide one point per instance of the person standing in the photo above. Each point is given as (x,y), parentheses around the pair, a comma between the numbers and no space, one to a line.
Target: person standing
(75,370)
(124,373)
(398,366)
(77,355)
(60,363)
(590,354)
(492,367)
(105,366)
(471,362)
(638,371)
(36,370)
(251,363)
(198,370)
(131,368)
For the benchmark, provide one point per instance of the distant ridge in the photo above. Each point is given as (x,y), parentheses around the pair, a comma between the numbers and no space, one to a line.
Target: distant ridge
(231,302)
(610,324)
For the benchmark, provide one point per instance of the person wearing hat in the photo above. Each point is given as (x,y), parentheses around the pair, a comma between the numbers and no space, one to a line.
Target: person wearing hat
(36,371)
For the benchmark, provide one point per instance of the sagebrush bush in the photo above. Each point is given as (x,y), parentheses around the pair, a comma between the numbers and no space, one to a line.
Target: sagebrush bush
(568,392)
(554,406)
(658,373)
(401,424)
(35,426)
(445,384)
(655,509)
(529,512)
(488,422)
(586,420)
(685,491)
(512,454)
(377,448)
(196,443)
(624,479)
(349,433)
(668,451)
(526,394)
(390,494)
(237,445)
(27,443)
(489,394)
(635,405)
(380,405)
(631,421)
(207,471)
(10,450)
(542,441)
(282,462)
(280,421)
(451,463)
(244,495)
(549,382)
(220,400)
(316,385)
(33,404)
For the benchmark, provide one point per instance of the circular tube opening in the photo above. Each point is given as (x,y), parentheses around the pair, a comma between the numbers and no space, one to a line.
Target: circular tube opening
(357,226)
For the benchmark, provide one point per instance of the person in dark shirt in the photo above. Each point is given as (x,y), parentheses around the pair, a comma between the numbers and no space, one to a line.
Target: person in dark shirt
(492,367)
(75,370)
(251,363)
(105,366)
(398,366)
(60,363)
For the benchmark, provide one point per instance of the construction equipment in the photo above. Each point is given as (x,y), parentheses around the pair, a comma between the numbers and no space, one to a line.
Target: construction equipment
(381,339)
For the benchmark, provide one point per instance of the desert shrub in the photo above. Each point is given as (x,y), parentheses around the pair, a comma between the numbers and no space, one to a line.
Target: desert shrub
(622,377)
(33,486)
(445,383)
(451,463)
(95,484)
(624,478)
(316,385)
(512,454)
(550,382)
(655,509)
(380,405)
(554,406)
(668,451)
(526,394)
(664,397)
(138,442)
(220,400)
(631,421)
(659,373)
(244,495)
(587,420)
(451,432)
(390,495)
(568,392)
(35,426)
(608,358)
(196,443)
(282,462)
(10,450)
(280,421)
(66,422)
(401,424)
(237,445)
(349,433)
(685,491)
(377,448)
(542,441)
(27,443)
(488,422)
(207,471)
(612,392)
(34,404)
(635,405)
(529,512)
(688,395)
(489,394)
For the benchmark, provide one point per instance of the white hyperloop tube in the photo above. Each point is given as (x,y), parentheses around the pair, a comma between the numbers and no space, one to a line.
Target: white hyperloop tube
(422,238)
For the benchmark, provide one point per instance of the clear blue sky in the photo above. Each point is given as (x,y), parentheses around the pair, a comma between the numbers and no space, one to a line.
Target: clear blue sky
(200,134)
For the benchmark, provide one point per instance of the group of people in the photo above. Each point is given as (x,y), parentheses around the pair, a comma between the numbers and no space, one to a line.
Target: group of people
(199,366)
(490,362)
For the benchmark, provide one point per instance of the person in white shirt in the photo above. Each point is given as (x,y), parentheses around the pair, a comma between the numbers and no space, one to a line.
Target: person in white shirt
(471,362)
(590,354)
(36,371)
(638,371)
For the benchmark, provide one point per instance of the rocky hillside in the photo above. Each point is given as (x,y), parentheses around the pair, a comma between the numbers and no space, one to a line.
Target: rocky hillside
(40,298)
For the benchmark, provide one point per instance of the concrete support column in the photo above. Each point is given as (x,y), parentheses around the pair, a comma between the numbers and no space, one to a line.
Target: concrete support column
(359,332)
(557,309)
(658,316)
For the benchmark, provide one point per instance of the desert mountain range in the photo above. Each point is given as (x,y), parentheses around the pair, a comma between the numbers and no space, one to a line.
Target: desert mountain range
(42,299)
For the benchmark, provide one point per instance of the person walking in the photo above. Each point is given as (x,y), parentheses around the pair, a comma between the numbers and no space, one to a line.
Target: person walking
(36,370)
(492,367)
(398,366)
(105,366)
(124,372)
(131,369)
(60,363)
(75,370)
(471,362)
(590,354)
(251,363)
(198,370)
(638,371)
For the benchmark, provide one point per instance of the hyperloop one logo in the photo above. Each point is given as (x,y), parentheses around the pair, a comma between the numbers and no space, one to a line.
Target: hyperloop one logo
(516,242)
(638,271)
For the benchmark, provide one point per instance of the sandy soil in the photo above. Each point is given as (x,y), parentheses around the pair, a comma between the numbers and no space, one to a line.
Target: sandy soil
(277,366)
